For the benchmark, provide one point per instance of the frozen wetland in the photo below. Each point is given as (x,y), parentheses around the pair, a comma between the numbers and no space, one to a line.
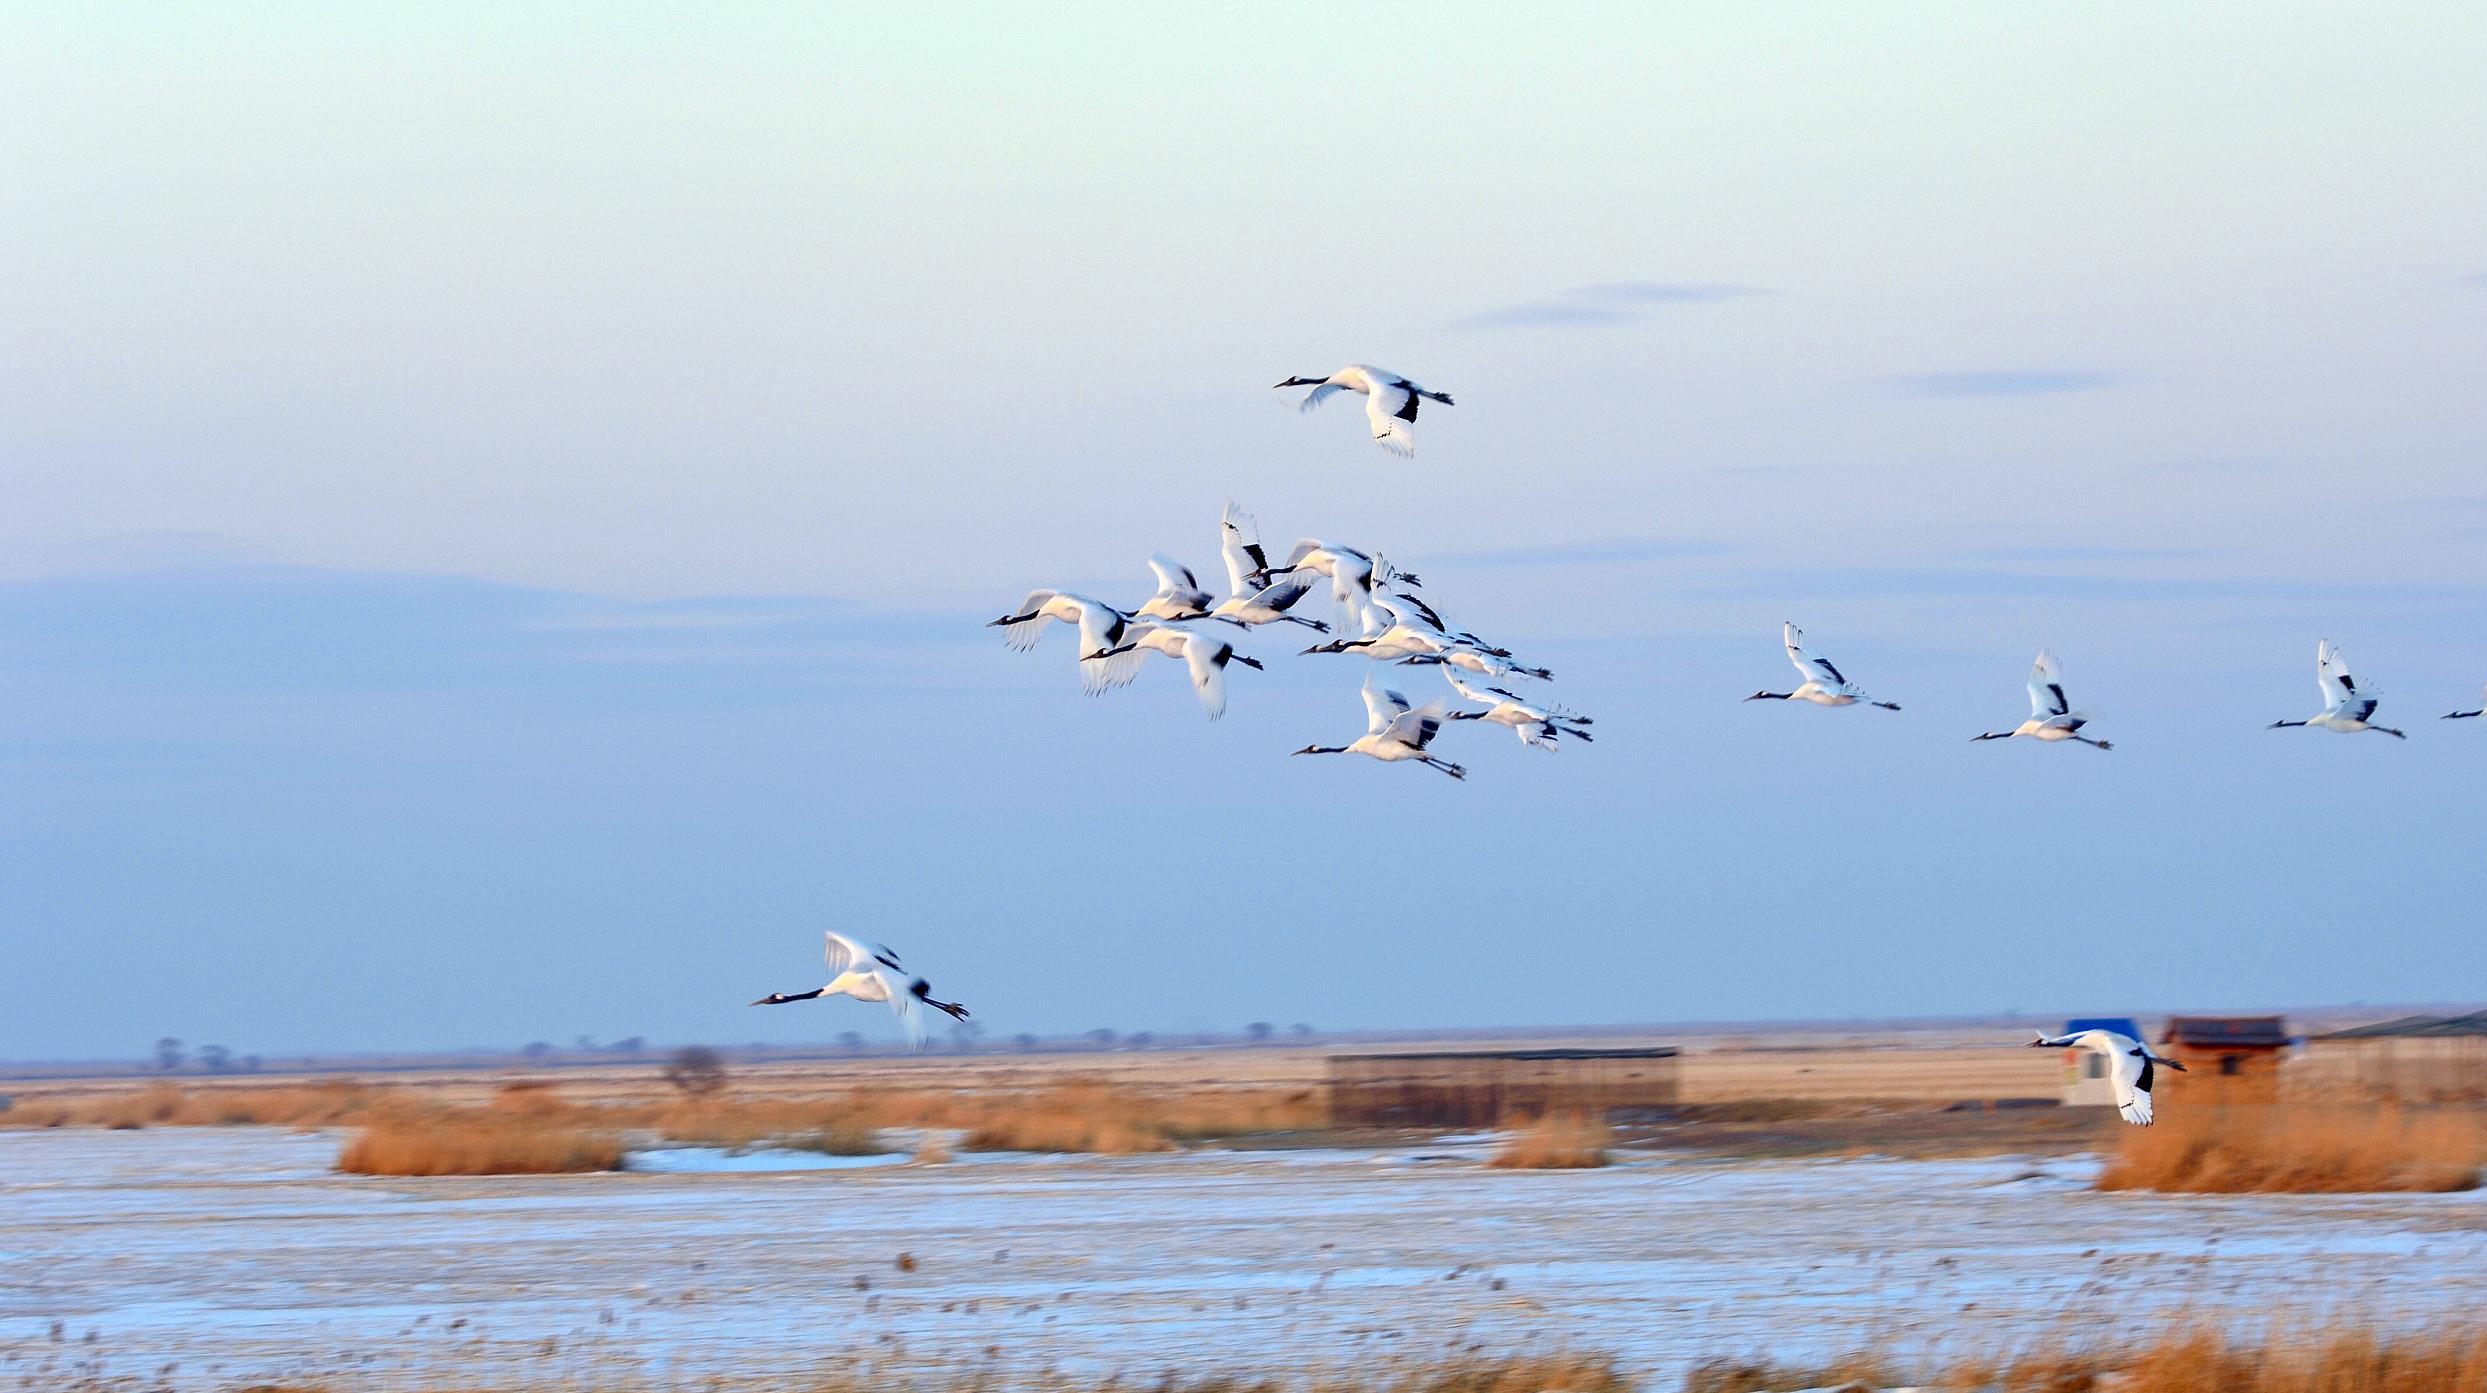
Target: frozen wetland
(235,1254)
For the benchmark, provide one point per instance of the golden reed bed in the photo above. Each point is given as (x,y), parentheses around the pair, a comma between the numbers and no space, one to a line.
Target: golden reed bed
(2294,1148)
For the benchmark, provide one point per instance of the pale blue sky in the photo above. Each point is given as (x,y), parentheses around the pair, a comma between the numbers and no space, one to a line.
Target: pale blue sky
(497,507)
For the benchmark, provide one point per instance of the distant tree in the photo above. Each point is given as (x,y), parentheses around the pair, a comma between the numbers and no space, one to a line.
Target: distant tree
(1102,1035)
(168,1054)
(1023,1042)
(632,1044)
(1260,1030)
(537,1050)
(215,1059)
(1300,1031)
(965,1033)
(851,1042)
(250,1064)
(1140,1039)
(697,1070)
(587,1044)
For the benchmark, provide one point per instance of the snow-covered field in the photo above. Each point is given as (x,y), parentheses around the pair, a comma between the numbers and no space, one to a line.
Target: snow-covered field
(236,1254)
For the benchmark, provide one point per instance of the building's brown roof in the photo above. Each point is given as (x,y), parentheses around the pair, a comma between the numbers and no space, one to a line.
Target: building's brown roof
(2474,1023)
(2244,1032)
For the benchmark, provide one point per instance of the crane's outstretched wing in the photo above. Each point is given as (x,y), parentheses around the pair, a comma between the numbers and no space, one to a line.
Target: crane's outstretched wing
(854,954)
(2046,688)
(1201,654)
(1239,542)
(1172,575)
(1416,727)
(1381,706)
(1815,669)
(2331,671)
(1024,634)
(1391,407)
(2134,1076)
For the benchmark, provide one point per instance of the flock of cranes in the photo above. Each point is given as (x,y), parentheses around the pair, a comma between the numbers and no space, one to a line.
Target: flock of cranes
(1377,615)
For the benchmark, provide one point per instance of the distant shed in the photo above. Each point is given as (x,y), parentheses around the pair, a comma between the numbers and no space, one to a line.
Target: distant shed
(1481,1088)
(2227,1059)
(2086,1083)
(2414,1059)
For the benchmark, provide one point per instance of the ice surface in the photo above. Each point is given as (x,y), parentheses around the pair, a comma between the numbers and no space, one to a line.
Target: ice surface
(236,1254)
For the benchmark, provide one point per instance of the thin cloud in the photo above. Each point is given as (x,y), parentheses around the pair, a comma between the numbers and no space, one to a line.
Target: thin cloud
(2007,383)
(2088,555)
(1605,305)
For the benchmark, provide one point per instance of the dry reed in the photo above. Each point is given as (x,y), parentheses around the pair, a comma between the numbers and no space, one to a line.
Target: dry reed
(477,1141)
(2301,1149)
(1072,1115)
(1556,1141)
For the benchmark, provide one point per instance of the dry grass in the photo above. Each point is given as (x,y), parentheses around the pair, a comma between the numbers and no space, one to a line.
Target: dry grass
(1095,1118)
(2340,1359)
(1557,1141)
(478,1141)
(1105,1119)
(1071,1115)
(2301,1149)
(169,1105)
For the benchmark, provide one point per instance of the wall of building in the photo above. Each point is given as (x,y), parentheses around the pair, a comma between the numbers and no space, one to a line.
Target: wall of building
(2415,1068)
(1486,1090)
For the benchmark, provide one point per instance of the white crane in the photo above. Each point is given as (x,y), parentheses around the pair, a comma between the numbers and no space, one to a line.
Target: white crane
(1823,685)
(1255,593)
(1383,638)
(2466,715)
(2129,1063)
(1395,731)
(1178,596)
(1100,626)
(1352,574)
(1485,664)
(870,972)
(1408,609)
(1390,401)
(1205,654)
(2345,708)
(2051,716)
(1537,724)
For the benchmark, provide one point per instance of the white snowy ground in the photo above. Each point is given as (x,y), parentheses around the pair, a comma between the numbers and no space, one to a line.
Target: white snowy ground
(235,1253)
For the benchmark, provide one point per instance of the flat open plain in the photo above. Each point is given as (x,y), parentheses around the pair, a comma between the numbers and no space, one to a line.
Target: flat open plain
(218,1256)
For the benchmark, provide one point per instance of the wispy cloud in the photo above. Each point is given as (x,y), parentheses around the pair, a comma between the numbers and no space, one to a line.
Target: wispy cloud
(2015,382)
(1604,305)
(1607,551)
(2087,555)
(2476,280)
(221,628)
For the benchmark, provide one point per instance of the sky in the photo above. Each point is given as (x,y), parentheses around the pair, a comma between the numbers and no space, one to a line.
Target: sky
(497,508)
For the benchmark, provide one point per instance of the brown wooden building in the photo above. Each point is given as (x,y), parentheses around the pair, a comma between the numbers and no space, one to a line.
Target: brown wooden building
(2227,1059)
(2418,1059)
(1483,1088)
